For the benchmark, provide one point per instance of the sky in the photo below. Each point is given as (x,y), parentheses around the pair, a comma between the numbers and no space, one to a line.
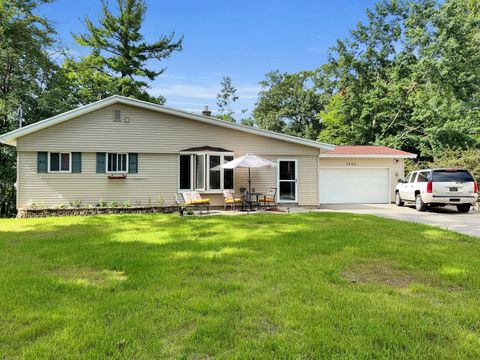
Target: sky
(241,39)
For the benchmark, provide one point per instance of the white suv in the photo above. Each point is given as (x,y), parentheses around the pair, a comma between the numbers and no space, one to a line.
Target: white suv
(437,187)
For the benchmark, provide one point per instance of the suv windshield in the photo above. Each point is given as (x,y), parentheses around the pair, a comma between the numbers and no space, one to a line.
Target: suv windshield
(452,176)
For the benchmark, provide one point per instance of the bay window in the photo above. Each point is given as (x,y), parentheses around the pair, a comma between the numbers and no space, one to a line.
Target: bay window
(196,172)
(214,176)
(185,172)
(228,182)
(199,171)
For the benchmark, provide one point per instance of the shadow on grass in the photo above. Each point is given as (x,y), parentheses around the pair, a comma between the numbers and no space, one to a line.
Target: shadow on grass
(196,281)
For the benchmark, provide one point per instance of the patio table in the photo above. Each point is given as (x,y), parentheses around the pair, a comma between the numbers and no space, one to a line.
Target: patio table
(257,196)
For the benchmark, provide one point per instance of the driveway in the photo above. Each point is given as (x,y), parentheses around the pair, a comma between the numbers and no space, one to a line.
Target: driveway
(447,217)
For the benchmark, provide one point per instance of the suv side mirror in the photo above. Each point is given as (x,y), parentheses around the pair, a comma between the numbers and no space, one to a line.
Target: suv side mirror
(400,181)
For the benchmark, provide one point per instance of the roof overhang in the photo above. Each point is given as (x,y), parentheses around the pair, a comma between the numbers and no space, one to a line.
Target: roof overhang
(11,137)
(370,156)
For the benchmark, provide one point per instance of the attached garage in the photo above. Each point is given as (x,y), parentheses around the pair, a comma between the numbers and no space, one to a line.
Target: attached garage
(354,185)
(360,174)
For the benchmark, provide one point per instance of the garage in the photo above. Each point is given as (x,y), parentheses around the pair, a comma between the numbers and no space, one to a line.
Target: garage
(349,185)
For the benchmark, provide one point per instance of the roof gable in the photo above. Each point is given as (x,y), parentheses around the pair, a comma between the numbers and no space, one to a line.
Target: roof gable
(10,138)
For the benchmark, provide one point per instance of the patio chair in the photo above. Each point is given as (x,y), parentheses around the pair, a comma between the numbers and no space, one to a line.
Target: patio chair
(270,197)
(194,200)
(230,199)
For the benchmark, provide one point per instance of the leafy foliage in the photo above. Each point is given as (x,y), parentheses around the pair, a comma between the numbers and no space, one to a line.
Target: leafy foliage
(467,159)
(408,78)
(225,98)
(29,81)
(119,51)
(290,103)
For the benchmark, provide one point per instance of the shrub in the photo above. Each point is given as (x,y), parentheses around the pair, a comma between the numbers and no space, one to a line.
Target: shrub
(126,203)
(467,159)
(75,203)
(114,204)
(102,203)
(33,206)
(161,201)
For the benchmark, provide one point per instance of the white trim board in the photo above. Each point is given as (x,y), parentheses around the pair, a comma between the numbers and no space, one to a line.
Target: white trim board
(11,137)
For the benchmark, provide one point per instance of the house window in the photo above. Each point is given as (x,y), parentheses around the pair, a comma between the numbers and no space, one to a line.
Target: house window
(228,182)
(59,162)
(196,172)
(117,163)
(186,172)
(214,176)
(200,172)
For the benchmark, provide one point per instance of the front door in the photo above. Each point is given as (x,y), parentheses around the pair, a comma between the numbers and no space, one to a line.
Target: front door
(287,181)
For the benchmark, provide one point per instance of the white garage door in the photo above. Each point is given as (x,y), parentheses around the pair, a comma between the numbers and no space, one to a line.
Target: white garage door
(354,186)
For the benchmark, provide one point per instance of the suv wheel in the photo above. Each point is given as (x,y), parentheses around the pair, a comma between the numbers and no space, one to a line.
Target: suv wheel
(419,204)
(398,199)
(463,208)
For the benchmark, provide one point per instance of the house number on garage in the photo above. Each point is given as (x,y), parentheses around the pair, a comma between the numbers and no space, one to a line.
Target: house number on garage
(351,164)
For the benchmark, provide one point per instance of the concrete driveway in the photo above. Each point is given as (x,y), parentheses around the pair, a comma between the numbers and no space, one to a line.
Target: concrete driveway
(447,217)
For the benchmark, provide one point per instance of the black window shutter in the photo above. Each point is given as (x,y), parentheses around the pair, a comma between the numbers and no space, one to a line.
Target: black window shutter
(133,163)
(76,162)
(100,162)
(42,162)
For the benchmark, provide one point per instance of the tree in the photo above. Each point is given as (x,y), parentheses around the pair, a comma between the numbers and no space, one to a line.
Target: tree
(119,50)
(87,80)
(225,99)
(467,159)
(28,78)
(290,103)
(410,76)
(335,129)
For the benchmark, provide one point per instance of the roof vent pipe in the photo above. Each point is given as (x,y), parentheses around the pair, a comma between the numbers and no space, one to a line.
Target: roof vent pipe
(206,111)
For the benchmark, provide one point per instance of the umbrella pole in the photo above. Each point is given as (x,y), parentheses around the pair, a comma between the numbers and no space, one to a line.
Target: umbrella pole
(249,183)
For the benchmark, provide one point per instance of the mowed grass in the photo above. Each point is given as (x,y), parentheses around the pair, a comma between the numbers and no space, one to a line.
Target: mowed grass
(303,286)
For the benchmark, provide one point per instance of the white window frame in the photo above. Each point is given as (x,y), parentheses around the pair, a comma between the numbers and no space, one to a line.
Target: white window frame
(107,160)
(223,172)
(193,169)
(295,181)
(60,162)
(192,179)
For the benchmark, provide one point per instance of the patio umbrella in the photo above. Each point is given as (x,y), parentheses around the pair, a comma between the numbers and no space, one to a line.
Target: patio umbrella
(247,161)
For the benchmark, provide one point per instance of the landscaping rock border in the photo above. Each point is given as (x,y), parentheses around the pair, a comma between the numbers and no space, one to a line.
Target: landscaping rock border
(42,213)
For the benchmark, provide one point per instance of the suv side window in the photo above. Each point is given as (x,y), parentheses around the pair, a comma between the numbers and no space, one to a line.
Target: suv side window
(407,178)
(412,178)
(422,176)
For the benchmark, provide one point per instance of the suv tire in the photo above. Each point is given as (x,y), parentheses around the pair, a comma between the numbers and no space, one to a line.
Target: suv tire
(419,204)
(398,199)
(463,208)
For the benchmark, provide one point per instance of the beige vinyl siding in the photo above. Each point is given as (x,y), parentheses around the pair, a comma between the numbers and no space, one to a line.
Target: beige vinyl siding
(149,132)
(396,166)
(266,178)
(156,178)
(158,138)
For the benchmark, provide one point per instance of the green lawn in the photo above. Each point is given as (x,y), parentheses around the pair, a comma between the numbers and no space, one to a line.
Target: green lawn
(302,286)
